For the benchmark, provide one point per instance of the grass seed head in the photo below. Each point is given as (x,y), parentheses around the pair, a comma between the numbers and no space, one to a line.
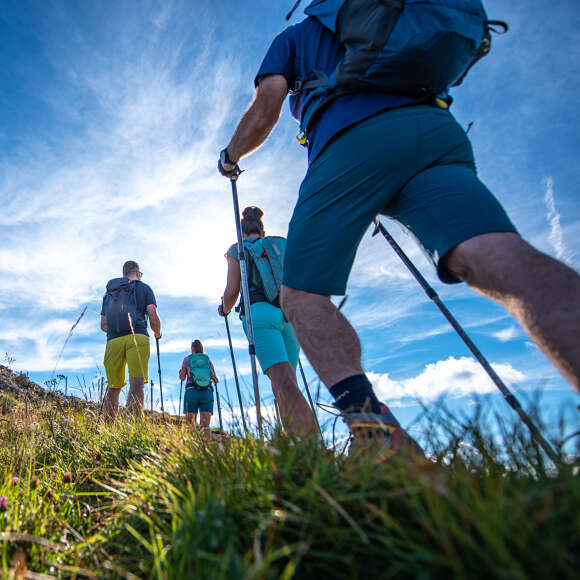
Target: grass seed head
(35,483)
(67,477)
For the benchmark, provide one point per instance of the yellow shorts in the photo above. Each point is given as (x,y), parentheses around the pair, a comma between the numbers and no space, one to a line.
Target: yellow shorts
(131,350)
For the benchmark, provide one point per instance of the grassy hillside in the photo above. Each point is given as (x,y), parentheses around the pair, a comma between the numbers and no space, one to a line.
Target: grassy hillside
(80,498)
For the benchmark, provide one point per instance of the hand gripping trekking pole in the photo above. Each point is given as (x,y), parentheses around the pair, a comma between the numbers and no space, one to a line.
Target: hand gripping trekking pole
(236,375)
(246,299)
(159,372)
(508,396)
(308,394)
(180,390)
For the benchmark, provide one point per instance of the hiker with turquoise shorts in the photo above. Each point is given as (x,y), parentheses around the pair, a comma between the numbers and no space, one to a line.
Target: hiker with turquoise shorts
(198,373)
(277,349)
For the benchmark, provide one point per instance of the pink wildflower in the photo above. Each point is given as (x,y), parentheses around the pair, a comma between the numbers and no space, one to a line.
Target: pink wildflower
(15,480)
(3,503)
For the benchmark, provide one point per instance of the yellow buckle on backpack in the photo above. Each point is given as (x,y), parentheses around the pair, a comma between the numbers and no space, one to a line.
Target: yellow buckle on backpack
(301,138)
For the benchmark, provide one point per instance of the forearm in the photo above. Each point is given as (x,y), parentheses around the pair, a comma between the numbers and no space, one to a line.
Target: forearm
(229,300)
(155,323)
(251,132)
(260,118)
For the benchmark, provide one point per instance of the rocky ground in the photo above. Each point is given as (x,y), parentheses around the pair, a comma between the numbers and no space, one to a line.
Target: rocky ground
(16,389)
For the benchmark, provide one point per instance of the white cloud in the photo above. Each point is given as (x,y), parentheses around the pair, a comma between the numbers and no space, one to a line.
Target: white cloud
(556,237)
(507,334)
(453,377)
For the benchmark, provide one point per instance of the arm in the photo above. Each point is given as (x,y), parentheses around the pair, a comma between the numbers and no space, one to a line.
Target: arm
(183,370)
(260,118)
(103,323)
(213,376)
(233,284)
(154,320)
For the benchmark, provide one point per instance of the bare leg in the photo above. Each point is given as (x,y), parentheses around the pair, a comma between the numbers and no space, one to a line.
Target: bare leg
(190,419)
(136,398)
(332,346)
(296,413)
(111,407)
(329,341)
(540,292)
(204,420)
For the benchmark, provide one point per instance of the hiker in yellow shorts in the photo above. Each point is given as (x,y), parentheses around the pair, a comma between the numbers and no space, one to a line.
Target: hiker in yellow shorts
(127,304)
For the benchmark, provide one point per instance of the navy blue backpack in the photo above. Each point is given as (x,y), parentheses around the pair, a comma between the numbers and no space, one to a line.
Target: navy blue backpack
(120,302)
(417,48)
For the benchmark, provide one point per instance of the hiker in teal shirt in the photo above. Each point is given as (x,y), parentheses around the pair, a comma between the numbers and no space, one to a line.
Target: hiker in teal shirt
(198,373)
(276,345)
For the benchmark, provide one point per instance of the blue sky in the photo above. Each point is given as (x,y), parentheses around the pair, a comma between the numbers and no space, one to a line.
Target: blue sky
(112,117)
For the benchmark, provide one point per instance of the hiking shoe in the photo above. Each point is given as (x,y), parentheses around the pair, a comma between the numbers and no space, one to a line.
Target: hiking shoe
(379,433)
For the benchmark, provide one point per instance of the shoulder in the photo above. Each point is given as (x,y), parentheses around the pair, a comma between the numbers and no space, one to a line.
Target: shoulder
(280,57)
(296,31)
(146,291)
(232,252)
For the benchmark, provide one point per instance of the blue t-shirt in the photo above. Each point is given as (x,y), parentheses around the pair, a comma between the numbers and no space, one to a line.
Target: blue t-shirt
(143,296)
(309,46)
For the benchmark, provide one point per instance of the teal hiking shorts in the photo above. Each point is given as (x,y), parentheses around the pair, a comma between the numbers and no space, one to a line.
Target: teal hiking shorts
(198,400)
(414,164)
(273,336)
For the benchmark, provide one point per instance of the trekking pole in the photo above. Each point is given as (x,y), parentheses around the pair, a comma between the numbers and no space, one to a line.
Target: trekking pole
(151,401)
(217,394)
(236,375)
(159,372)
(246,299)
(308,394)
(511,400)
(180,390)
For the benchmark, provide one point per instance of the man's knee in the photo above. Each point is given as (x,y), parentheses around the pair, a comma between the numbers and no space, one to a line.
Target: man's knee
(113,394)
(487,256)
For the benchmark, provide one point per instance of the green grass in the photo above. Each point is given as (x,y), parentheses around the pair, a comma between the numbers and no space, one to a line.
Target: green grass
(152,500)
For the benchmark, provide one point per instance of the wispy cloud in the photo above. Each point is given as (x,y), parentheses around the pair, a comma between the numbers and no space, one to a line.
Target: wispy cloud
(507,334)
(556,237)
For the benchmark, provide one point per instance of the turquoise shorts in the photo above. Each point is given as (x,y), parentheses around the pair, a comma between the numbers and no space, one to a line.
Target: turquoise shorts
(414,164)
(274,337)
(197,400)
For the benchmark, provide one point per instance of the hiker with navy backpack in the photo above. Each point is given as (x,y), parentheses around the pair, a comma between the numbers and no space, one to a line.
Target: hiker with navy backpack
(277,349)
(199,375)
(127,305)
(369,84)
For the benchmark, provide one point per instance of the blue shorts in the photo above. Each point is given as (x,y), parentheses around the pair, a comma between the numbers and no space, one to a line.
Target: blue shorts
(413,164)
(274,337)
(197,400)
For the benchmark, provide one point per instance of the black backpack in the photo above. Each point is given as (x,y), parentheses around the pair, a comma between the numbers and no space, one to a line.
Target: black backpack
(120,302)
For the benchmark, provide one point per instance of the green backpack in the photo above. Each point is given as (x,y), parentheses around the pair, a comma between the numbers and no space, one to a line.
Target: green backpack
(267,254)
(199,370)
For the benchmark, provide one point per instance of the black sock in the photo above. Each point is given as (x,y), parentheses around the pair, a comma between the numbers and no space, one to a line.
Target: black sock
(355,394)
